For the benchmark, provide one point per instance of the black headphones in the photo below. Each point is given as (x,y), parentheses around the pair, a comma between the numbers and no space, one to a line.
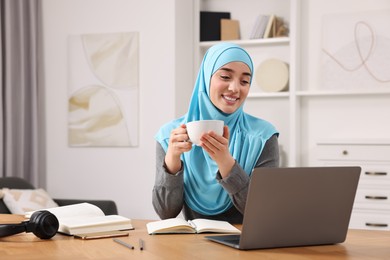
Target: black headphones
(42,223)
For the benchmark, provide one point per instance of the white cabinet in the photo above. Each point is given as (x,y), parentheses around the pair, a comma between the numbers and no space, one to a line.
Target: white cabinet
(372,202)
(279,108)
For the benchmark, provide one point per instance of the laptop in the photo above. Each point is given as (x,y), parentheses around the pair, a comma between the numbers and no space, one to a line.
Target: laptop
(302,206)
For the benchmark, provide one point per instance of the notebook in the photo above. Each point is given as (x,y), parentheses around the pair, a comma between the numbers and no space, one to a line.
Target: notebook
(303,206)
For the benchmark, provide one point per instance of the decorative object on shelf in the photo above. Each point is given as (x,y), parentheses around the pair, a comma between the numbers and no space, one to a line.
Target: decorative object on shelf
(279,28)
(210,25)
(230,29)
(272,75)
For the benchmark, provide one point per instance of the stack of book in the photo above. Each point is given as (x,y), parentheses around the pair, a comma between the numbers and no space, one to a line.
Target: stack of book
(268,26)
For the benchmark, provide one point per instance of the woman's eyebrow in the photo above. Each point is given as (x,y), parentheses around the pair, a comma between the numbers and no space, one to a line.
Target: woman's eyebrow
(230,70)
(227,69)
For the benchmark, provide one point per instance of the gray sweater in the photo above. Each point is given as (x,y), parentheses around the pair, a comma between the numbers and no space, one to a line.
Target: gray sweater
(168,190)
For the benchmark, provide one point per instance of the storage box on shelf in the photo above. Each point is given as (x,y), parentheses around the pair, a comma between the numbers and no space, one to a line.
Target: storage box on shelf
(372,202)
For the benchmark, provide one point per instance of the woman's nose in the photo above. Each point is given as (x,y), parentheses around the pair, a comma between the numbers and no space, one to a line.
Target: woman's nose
(234,86)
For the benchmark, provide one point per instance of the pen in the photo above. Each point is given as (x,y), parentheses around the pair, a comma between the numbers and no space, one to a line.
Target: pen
(141,244)
(123,243)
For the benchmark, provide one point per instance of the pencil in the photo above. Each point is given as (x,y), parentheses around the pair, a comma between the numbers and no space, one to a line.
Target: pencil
(141,244)
(123,243)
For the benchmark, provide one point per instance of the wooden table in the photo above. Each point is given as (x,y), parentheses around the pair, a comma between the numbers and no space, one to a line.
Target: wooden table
(360,244)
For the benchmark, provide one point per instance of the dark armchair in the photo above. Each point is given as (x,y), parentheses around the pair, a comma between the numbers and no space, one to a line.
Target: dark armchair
(108,206)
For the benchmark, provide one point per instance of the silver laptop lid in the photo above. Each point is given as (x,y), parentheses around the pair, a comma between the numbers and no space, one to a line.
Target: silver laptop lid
(298,206)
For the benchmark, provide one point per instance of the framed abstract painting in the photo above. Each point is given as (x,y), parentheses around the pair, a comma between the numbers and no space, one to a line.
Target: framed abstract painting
(103,99)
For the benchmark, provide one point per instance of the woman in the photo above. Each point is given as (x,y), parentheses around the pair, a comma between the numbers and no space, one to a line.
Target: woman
(211,180)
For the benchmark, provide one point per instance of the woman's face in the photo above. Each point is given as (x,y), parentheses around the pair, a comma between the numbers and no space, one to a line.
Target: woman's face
(229,86)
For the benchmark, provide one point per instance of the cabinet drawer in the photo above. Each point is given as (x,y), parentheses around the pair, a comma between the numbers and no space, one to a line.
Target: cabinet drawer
(372,199)
(356,152)
(372,174)
(375,174)
(374,220)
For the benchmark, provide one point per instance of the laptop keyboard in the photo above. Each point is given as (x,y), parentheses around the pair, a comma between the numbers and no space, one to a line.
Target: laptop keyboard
(233,239)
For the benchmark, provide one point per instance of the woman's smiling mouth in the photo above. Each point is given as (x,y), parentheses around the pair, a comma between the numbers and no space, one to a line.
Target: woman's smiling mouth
(230,99)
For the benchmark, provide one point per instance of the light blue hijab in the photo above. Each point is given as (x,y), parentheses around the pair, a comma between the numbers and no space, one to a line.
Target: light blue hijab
(248,135)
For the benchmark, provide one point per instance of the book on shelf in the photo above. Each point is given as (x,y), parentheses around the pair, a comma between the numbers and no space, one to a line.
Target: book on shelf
(230,29)
(85,218)
(268,29)
(179,225)
(210,25)
(259,27)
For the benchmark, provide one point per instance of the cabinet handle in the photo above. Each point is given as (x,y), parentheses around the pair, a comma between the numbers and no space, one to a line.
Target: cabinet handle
(376,225)
(376,173)
(376,197)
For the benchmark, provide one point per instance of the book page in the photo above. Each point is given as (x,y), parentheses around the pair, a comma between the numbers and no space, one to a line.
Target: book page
(75,210)
(172,225)
(89,221)
(217,226)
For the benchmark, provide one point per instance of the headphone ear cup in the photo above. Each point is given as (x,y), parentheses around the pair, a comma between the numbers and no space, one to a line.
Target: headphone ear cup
(44,224)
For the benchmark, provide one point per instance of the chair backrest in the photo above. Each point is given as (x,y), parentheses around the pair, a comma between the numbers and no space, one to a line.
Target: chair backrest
(12,183)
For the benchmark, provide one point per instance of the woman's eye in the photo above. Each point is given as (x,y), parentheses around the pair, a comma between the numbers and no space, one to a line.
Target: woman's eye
(225,77)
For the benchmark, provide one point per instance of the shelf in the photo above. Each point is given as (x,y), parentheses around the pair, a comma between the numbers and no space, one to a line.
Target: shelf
(319,93)
(324,93)
(354,141)
(269,95)
(257,42)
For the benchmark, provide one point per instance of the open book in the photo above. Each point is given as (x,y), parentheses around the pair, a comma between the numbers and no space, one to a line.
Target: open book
(179,225)
(85,218)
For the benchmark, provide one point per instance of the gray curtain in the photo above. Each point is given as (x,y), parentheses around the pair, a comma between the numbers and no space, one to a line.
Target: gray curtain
(21,110)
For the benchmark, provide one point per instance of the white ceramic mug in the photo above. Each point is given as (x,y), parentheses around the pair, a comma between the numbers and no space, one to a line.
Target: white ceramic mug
(195,129)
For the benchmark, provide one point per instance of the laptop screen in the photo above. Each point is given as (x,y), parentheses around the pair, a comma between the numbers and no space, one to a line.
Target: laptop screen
(298,206)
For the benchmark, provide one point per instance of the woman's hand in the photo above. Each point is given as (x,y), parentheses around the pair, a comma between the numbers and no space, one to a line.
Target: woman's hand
(218,148)
(178,144)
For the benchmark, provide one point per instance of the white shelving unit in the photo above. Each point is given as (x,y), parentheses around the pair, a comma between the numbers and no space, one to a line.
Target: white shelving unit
(306,112)
(259,103)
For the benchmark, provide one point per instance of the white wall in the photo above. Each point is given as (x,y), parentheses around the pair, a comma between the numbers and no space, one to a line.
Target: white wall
(125,175)
(341,117)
